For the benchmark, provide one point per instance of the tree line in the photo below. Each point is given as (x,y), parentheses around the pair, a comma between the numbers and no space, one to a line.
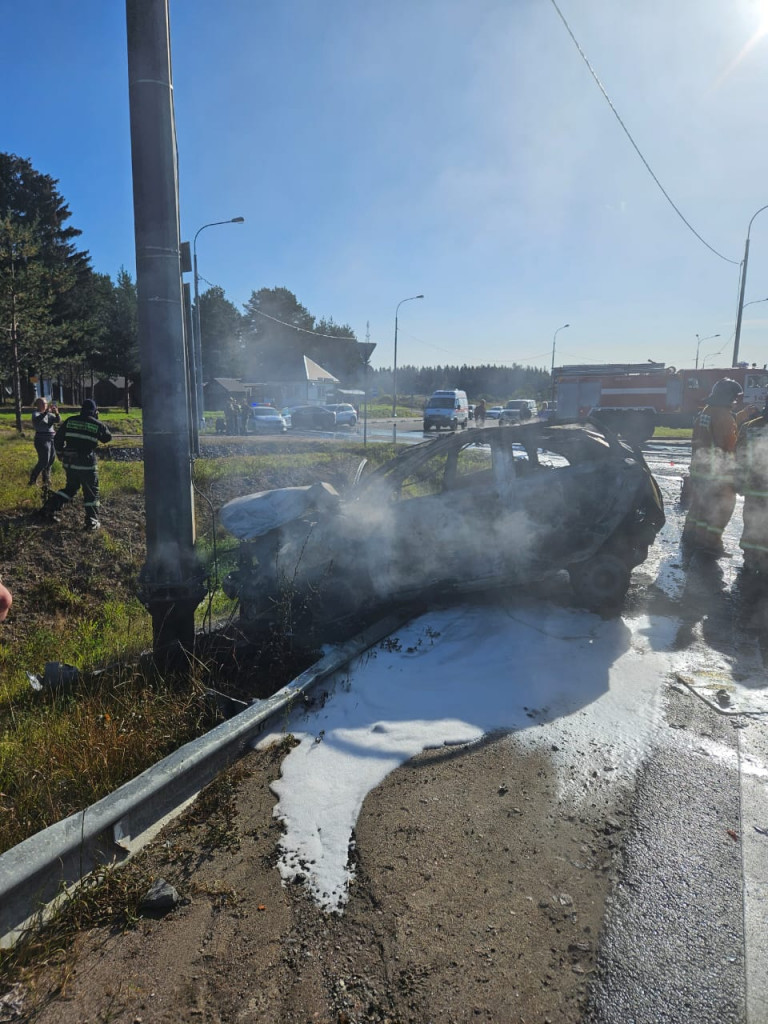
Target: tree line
(487,381)
(60,320)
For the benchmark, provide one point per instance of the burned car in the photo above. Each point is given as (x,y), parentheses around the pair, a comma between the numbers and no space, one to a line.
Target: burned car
(475,510)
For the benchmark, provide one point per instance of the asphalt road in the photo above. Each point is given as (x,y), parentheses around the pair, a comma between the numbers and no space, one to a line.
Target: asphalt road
(685,933)
(449,900)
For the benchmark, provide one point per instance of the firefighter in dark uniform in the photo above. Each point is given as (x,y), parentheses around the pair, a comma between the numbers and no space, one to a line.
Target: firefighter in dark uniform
(75,443)
(752,460)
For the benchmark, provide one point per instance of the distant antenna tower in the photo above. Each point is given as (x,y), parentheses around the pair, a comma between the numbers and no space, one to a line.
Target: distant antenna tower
(367,331)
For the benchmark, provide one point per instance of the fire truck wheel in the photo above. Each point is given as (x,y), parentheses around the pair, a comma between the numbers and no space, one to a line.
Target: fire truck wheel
(601,582)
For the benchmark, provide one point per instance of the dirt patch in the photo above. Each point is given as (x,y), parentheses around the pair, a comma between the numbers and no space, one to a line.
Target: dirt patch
(55,568)
(478,895)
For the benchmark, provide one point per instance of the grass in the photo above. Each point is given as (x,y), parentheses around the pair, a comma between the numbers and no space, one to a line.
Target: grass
(669,433)
(118,421)
(65,748)
(62,750)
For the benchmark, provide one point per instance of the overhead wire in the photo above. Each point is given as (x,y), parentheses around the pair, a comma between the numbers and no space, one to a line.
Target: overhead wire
(293,327)
(634,144)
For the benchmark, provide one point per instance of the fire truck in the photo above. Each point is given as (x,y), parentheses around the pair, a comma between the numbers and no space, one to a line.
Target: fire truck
(635,398)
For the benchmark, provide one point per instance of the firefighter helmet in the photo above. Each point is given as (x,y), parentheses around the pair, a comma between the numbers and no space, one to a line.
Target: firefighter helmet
(725,392)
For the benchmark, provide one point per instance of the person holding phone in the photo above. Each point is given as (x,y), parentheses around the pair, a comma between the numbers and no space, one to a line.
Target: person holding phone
(45,419)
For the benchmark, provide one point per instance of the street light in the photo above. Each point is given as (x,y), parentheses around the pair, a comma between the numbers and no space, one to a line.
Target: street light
(709,356)
(737,335)
(394,369)
(198,342)
(698,346)
(554,342)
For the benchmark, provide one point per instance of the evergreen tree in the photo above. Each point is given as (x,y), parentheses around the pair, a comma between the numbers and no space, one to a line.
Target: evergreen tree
(27,297)
(119,352)
(40,271)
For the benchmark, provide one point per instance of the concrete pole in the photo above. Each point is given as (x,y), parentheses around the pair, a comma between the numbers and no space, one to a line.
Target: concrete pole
(171,581)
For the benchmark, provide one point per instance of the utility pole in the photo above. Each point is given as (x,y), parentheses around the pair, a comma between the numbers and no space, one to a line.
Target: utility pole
(742,287)
(171,580)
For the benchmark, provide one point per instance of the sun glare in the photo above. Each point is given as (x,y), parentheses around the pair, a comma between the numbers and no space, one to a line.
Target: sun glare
(761,14)
(758,12)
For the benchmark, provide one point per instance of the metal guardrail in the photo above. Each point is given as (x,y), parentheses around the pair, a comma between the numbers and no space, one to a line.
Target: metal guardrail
(36,871)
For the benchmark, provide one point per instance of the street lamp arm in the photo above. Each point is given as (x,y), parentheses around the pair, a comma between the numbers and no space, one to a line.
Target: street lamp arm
(213,224)
(698,346)
(749,228)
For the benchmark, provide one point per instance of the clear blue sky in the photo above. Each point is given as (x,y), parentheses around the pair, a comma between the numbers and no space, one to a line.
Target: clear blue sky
(383,148)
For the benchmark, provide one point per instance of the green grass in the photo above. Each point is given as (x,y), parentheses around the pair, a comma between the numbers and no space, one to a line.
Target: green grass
(683,433)
(118,421)
(381,409)
(59,752)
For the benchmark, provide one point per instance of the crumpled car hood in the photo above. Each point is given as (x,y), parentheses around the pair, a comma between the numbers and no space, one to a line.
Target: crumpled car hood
(254,515)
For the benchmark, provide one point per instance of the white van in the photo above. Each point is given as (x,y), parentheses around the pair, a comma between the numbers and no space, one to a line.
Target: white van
(518,410)
(449,409)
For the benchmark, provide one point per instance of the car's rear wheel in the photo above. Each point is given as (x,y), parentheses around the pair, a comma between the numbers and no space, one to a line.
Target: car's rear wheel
(601,582)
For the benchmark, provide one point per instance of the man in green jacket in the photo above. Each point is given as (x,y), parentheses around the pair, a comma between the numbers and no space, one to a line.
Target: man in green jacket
(75,443)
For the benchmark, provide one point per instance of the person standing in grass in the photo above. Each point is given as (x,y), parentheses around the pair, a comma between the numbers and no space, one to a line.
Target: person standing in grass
(45,419)
(76,442)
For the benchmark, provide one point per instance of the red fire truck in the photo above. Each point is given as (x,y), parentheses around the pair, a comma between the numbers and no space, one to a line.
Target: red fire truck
(634,398)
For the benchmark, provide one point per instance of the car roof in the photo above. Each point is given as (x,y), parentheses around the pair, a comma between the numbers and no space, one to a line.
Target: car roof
(577,442)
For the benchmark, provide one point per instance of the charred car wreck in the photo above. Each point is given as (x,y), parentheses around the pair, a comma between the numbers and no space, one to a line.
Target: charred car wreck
(464,513)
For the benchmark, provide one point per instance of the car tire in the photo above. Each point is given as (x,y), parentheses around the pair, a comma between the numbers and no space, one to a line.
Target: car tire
(600,583)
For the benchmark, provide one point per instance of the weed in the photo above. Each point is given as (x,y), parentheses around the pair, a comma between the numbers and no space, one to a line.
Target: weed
(108,898)
(53,595)
(71,748)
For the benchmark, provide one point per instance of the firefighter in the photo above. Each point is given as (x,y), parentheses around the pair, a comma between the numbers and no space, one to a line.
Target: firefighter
(752,461)
(713,468)
(76,442)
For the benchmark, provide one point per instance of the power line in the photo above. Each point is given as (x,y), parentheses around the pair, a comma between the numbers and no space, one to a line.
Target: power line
(293,327)
(634,144)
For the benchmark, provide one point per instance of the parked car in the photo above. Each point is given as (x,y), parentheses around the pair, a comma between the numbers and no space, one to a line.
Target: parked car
(517,410)
(494,412)
(463,513)
(313,417)
(286,414)
(346,415)
(263,419)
